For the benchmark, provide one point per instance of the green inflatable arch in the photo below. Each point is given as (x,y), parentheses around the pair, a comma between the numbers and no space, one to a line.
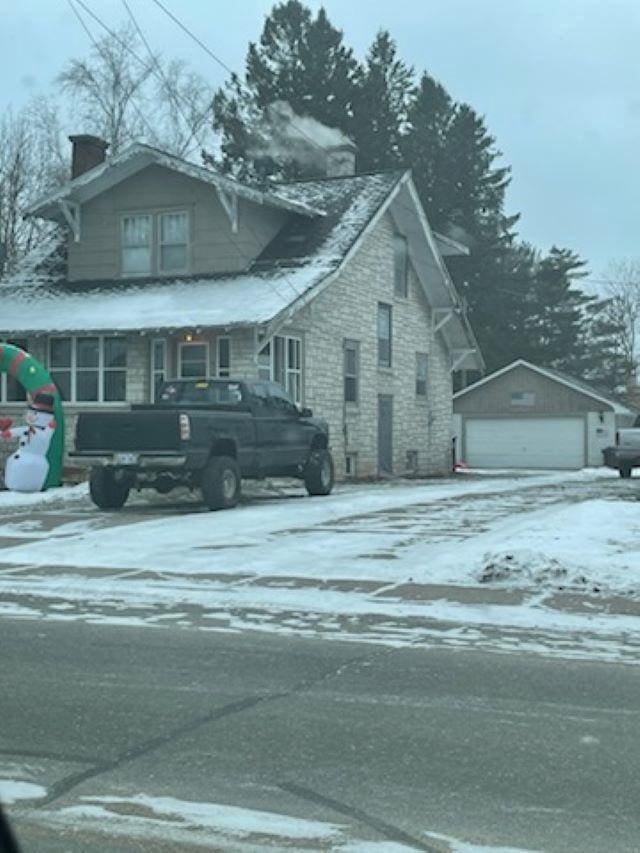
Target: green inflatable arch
(35,380)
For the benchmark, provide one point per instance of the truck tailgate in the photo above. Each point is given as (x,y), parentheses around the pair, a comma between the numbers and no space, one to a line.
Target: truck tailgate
(139,431)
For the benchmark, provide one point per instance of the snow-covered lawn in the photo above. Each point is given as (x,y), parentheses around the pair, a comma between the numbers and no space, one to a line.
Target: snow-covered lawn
(20,500)
(381,563)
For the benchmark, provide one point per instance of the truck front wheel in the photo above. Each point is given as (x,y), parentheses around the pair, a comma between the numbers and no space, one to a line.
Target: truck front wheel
(319,473)
(221,483)
(625,472)
(105,490)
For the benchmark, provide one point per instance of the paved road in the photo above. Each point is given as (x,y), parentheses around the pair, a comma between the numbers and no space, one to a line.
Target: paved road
(392,744)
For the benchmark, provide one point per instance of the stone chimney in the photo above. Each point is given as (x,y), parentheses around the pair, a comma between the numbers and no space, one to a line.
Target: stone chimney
(88,152)
(341,160)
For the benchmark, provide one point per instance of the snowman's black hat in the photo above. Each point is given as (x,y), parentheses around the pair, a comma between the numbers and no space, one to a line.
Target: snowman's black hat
(42,403)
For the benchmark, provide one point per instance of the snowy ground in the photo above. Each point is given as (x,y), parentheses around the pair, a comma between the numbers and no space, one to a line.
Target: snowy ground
(546,562)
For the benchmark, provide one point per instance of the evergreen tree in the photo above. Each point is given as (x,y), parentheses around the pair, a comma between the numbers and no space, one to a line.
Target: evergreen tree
(385,89)
(301,61)
(430,115)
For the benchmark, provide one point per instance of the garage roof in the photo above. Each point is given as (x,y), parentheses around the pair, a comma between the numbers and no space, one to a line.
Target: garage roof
(575,384)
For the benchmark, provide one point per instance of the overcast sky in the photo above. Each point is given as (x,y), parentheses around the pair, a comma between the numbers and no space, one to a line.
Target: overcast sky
(557,80)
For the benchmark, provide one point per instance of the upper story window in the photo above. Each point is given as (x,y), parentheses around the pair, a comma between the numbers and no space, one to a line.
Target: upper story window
(422,373)
(384,335)
(174,229)
(155,243)
(400,265)
(136,245)
(351,371)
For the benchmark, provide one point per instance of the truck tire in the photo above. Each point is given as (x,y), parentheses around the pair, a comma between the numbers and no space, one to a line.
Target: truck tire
(106,492)
(221,483)
(319,473)
(625,473)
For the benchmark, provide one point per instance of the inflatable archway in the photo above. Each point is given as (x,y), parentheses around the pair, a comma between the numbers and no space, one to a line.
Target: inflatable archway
(35,379)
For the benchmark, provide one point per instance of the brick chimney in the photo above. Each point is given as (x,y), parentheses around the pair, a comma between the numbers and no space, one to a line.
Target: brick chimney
(88,152)
(341,160)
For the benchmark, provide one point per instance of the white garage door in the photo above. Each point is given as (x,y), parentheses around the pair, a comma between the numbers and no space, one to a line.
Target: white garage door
(524,443)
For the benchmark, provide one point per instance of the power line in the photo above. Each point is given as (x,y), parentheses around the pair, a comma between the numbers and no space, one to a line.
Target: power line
(120,41)
(173,93)
(229,70)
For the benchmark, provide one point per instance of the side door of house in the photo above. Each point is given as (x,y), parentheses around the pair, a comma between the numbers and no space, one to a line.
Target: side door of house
(385,434)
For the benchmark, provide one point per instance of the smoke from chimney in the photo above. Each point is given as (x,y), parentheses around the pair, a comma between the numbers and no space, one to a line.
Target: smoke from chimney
(284,135)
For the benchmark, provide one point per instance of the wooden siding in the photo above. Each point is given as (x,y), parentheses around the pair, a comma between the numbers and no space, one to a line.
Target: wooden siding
(550,397)
(213,246)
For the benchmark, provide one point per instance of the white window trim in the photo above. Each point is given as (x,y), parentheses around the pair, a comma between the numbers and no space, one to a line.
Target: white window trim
(130,215)
(160,244)
(218,373)
(287,369)
(153,370)
(4,389)
(183,345)
(73,369)
(156,232)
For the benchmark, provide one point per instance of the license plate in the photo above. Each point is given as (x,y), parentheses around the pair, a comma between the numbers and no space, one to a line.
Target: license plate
(125,458)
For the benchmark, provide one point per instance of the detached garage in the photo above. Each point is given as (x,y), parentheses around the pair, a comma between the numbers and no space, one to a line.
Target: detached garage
(524,416)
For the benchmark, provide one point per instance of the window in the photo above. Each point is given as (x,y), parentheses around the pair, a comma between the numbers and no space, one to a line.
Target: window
(281,361)
(400,265)
(11,391)
(384,335)
(194,360)
(351,365)
(422,373)
(136,245)
(158,365)
(351,464)
(223,360)
(294,369)
(89,369)
(174,229)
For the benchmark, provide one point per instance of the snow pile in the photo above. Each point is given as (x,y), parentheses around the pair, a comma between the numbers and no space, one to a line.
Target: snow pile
(9,500)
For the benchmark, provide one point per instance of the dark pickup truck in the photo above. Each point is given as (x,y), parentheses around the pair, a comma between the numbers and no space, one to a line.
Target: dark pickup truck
(205,434)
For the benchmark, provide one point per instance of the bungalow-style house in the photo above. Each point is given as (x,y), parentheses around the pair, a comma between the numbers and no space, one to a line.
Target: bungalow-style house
(525,416)
(335,288)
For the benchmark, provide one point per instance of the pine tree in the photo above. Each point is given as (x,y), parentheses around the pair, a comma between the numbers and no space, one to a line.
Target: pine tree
(299,60)
(385,89)
(430,115)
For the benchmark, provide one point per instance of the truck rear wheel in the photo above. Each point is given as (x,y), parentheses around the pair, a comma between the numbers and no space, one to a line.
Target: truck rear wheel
(625,472)
(221,483)
(319,473)
(105,490)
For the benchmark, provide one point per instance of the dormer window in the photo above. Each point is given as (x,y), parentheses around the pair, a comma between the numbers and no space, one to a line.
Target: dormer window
(155,243)
(173,242)
(136,245)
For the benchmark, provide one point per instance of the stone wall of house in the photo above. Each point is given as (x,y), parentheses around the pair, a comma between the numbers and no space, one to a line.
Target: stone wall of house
(347,310)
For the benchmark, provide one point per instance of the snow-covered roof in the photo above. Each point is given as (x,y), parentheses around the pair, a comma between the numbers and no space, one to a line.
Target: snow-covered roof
(329,218)
(38,297)
(575,384)
(139,156)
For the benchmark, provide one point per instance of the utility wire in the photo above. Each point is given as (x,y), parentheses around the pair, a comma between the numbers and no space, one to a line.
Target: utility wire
(120,41)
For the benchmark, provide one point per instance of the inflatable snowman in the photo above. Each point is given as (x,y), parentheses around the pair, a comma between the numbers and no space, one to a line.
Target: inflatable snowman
(27,469)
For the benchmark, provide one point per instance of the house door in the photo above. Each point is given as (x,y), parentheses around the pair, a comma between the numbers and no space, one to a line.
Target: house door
(385,434)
